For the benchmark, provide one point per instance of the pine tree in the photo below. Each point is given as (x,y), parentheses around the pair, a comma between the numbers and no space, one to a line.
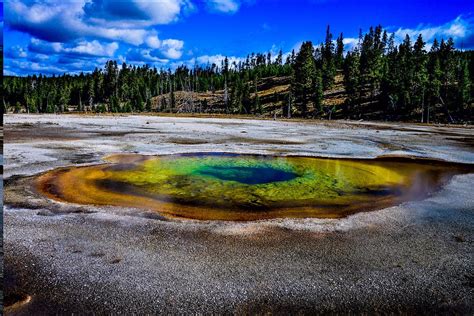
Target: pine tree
(420,79)
(371,61)
(464,86)
(148,105)
(389,85)
(434,79)
(406,66)
(352,76)
(448,66)
(339,52)
(246,101)
(279,59)
(114,106)
(328,61)
(236,96)
(318,93)
(304,81)
(256,105)
(64,98)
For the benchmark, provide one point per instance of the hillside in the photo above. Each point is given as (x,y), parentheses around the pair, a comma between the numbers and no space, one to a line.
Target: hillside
(273,93)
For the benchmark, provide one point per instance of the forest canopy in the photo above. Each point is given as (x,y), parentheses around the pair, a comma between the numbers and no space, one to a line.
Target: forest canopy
(377,79)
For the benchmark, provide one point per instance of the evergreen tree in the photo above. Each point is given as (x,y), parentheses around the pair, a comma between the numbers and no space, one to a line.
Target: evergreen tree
(318,93)
(371,61)
(328,61)
(339,52)
(420,79)
(352,76)
(434,79)
(406,66)
(279,59)
(148,105)
(391,77)
(448,62)
(464,86)
(304,82)
(256,105)
(246,101)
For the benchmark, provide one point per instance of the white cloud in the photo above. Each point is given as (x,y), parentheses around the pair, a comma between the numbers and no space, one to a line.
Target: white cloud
(460,29)
(22,53)
(163,11)
(457,29)
(130,36)
(64,21)
(16,52)
(153,41)
(41,57)
(172,48)
(144,56)
(217,59)
(133,13)
(36,67)
(44,47)
(225,6)
(350,43)
(8,72)
(94,48)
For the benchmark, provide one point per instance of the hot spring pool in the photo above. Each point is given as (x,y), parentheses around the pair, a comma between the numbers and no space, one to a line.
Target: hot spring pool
(216,186)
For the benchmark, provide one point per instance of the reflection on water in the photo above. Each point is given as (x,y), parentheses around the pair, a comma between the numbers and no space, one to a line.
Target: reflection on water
(246,187)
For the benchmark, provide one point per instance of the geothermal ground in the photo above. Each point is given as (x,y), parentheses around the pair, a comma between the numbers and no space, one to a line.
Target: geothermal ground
(69,258)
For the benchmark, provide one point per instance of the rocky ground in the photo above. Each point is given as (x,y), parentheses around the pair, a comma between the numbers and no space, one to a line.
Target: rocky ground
(60,258)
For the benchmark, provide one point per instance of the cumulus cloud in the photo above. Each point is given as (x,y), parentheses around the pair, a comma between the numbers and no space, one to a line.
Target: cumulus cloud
(63,21)
(457,28)
(135,12)
(144,55)
(43,47)
(41,64)
(56,23)
(93,48)
(225,6)
(460,29)
(350,43)
(172,48)
(38,58)
(18,67)
(153,41)
(218,59)
(166,50)
(72,31)
(15,52)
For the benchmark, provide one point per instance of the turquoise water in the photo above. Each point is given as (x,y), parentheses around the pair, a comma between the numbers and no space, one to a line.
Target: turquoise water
(247,175)
(246,187)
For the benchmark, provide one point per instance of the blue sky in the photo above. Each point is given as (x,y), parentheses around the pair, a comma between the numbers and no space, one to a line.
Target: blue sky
(1,22)
(54,36)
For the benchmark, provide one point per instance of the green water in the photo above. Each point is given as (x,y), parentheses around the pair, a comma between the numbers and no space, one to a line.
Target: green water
(230,186)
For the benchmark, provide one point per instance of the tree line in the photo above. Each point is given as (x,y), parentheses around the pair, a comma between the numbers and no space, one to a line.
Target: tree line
(407,81)
(379,77)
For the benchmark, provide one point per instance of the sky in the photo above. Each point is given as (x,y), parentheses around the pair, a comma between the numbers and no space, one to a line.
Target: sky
(1,22)
(64,36)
